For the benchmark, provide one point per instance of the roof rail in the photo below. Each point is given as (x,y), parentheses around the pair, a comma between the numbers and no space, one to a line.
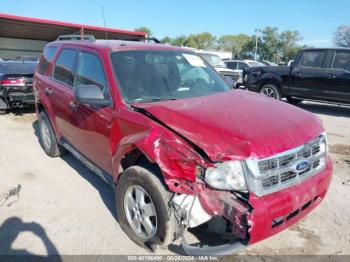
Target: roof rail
(76,37)
(130,38)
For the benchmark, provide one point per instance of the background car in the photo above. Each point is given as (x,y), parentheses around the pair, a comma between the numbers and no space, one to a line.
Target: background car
(16,88)
(219,65)
(239,65)
(26,58)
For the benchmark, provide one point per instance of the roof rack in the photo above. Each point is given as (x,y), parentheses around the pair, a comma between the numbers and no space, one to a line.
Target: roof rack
(91,38)
(76,37)
(130,38)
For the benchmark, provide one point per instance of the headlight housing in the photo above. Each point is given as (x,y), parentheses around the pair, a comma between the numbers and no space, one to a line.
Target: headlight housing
(226,176)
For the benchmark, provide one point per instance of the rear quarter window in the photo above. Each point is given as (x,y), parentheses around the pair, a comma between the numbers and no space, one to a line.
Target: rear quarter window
(46,58)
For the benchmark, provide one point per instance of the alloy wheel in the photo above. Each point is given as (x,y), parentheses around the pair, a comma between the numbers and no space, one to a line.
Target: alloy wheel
(269,92)
(45,134)
(140,212)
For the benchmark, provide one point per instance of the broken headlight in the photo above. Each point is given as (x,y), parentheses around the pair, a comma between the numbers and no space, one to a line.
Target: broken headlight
(227,176)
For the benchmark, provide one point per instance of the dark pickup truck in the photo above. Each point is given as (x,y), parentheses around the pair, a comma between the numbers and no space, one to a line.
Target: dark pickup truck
(16,84)
(316,74)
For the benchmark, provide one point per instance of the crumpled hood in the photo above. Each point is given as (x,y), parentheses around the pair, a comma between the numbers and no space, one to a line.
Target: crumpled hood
(237,124)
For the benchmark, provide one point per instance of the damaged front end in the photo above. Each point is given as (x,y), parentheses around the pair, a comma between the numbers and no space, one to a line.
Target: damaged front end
(241,219)
(241,206)
(235,200)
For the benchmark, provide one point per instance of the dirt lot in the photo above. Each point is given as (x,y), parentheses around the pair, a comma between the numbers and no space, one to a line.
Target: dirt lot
(62,208)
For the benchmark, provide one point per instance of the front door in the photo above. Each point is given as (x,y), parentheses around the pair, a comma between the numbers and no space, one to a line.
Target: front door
(91,124)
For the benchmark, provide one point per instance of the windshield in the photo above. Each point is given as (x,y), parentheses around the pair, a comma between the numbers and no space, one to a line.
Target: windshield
(145,76)
(213,60)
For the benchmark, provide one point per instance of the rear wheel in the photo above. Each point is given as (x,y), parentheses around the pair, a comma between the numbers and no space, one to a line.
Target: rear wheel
(48,139)
(293,100)
(142,207)
(270,90)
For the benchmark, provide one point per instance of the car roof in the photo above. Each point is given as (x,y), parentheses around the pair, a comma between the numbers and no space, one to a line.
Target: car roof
(119,45)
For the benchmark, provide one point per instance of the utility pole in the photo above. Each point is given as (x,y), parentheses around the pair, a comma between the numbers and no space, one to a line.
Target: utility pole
(257,33)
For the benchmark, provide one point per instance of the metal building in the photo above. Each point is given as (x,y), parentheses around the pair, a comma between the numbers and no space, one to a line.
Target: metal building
(24,36)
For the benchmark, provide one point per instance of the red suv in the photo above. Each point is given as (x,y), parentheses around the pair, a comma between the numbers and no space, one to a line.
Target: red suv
(181,149)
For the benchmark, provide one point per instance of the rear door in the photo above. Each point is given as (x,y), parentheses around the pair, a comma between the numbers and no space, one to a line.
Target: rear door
(60,91)
(338,77)
(90,125)
(308,78)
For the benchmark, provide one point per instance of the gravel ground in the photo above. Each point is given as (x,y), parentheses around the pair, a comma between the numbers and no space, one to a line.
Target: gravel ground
(62,208)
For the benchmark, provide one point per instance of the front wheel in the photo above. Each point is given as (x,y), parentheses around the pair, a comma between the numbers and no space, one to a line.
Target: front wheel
(142,207)
(271,91)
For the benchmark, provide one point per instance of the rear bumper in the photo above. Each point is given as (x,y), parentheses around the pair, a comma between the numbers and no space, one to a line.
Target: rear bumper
(10,95)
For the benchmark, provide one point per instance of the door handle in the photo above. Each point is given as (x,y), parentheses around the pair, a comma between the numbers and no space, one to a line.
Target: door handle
(48,91)
(300,75)
(73,105)
(332,76)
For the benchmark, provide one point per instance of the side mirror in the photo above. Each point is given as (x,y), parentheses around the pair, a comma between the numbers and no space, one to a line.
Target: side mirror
(229,81)
(91,95)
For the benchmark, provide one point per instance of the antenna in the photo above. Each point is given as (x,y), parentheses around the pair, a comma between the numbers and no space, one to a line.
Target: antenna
(104,21)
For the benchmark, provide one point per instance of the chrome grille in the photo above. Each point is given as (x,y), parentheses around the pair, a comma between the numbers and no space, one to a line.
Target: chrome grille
(288,168)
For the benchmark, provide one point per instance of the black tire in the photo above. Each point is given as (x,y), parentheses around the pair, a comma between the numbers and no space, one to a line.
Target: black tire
(293,100)
(271,91)
(52,149)
(3,112)
(148,178)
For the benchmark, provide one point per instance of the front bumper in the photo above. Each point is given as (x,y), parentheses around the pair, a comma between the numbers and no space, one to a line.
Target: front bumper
(275,212)
(261,217)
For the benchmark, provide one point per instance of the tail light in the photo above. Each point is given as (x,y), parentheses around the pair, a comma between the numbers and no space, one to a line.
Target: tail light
(13,82)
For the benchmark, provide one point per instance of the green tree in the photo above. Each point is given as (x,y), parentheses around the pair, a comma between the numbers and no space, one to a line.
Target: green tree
(288,44)
(167,40)
(342,36)
(205,40)
(179,40)
(234,43)
(145,30)
(269,49)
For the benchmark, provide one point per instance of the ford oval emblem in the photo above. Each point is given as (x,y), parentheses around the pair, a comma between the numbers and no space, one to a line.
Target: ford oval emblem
(300,165)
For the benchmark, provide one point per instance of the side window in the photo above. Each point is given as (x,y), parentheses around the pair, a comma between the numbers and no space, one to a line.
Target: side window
(46,59)
(64,67)
(242,66)
(90,72)
(342,61)
(312,59)
(232,65)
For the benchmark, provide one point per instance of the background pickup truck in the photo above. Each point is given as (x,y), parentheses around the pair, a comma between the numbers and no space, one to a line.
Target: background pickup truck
(316,74)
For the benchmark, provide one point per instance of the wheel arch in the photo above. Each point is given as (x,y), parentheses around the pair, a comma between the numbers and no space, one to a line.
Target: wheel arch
(41,106)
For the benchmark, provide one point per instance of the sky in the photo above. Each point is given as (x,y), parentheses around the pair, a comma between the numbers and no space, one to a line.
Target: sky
(316,20)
